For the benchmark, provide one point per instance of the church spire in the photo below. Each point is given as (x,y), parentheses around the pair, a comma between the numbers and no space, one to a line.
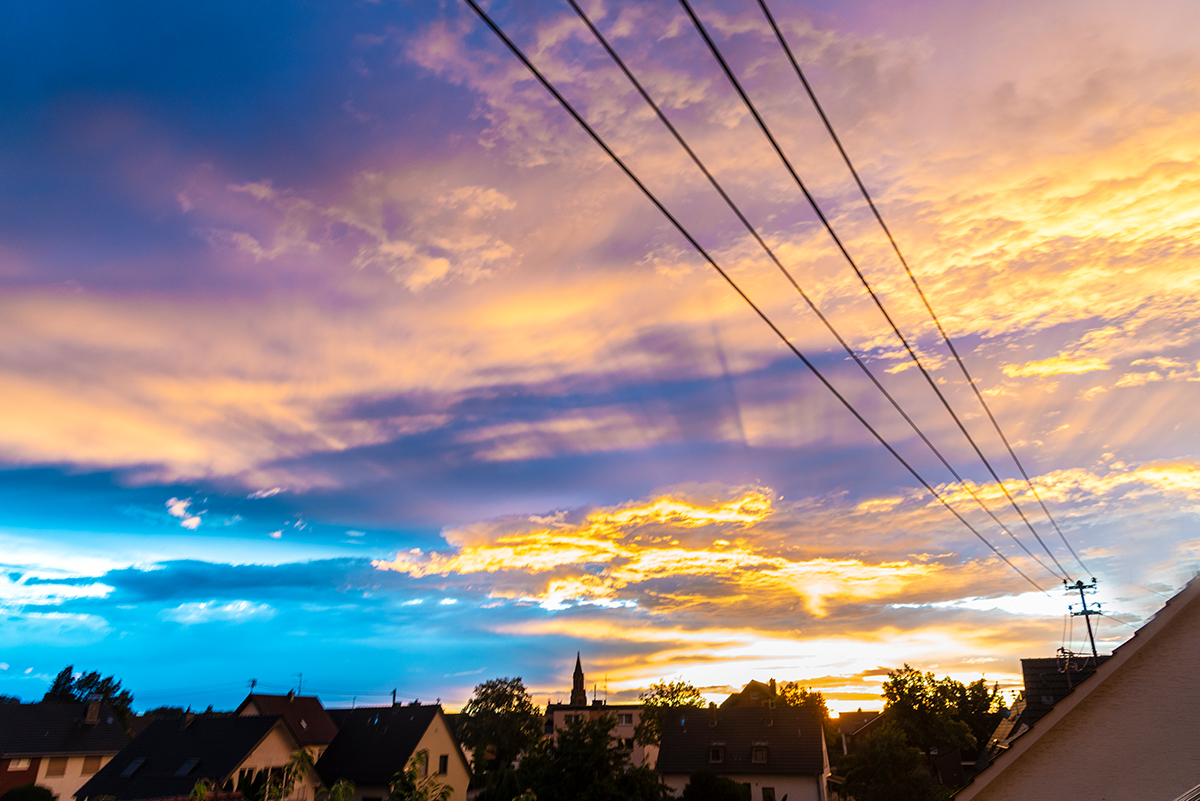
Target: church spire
(578,691)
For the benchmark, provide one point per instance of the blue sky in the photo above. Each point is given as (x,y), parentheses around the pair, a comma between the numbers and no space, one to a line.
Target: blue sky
(331,346)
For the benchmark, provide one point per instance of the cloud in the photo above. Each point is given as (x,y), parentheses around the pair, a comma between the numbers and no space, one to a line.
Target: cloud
(1054,366)
(212,611)
(179,508)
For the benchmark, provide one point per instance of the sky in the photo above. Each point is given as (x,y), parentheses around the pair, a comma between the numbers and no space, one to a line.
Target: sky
(334,355)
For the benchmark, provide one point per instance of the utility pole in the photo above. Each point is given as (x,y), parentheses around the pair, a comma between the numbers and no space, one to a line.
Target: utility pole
(1085,612)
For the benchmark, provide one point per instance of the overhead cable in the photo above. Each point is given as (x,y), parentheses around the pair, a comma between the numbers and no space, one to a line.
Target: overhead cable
(712,46)
(570,109)
(904,262)
(787,274)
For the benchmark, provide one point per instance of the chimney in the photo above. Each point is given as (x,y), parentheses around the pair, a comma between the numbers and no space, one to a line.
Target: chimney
(773,687)
(92,716)
(291,696)
(712,714)
(186,720)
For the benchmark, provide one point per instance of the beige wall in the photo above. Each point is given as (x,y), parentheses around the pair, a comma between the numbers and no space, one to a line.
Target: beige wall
(622,731)
(275,751)
(439,742)
(64,787)
(1133,735)
(797,788)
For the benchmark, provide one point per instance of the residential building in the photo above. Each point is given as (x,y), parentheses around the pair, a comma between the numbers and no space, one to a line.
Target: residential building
(311,725)
(849,723)
(167,759)
(1128,731)
(57,746)
(376,743)
(626,717)
(775,751)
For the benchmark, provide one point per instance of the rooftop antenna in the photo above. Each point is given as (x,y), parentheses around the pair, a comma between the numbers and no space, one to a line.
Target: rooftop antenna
(253,684)
(606,688)
(1085,612)
(300,684)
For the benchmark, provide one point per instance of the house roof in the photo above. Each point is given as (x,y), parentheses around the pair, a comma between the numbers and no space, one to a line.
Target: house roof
(755,693)
(167,746)
(308,720)
(1096,685)
(375,743)
(1048,680)
(794,738)
(28,730)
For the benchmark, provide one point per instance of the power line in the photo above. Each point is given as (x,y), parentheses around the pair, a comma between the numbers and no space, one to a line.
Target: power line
(904,262)
(516,51)
(787,274)
(712,46)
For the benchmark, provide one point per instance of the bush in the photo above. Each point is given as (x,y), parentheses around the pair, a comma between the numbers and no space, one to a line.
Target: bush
(28,792)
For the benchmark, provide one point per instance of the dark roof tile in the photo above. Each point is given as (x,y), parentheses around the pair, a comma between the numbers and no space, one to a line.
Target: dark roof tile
(373,744)
(794,738)
(168,746)
(28,730)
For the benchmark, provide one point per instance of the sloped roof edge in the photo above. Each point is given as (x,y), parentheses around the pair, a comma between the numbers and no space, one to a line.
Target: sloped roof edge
(1122,654)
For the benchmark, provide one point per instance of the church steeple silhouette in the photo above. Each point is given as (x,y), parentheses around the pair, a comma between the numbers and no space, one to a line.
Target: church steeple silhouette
(578,691)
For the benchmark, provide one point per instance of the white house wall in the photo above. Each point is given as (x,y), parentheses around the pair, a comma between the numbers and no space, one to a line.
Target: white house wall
(796,788)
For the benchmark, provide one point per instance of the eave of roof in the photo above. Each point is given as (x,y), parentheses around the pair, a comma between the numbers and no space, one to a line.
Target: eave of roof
(1120,656)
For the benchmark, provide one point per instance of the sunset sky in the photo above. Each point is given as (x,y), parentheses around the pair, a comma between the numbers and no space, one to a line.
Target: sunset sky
(330,344)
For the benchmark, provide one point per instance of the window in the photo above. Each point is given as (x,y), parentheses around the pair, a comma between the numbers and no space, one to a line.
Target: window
(625,719)
(768,794)
(716,754)
(550,726)
(628,743)
(132,767)
(758,754)
(443,764)
(187,766)
(18,764)
(91,764)
(56,766)
(569,719)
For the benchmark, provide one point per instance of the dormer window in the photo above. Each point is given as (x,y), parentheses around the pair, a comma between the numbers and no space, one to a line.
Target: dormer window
(758,754)
(132,767)
(187,766)
(716,754)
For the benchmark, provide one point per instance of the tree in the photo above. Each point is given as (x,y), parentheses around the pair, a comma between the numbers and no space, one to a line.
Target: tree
(500,715)
(274,784)
(342,790)
(656,701)
(28,792)
(704,785)
(410,785)
(69,689)
(582,763)
(884,767)
(9,699)
(925,709)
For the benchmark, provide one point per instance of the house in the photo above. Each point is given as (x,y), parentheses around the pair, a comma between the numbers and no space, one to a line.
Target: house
(57,746)
(167,759)
(626,717)
(775,751)
(850,723)
(311,725)
(1128,731)
(375,743)
(755,693)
